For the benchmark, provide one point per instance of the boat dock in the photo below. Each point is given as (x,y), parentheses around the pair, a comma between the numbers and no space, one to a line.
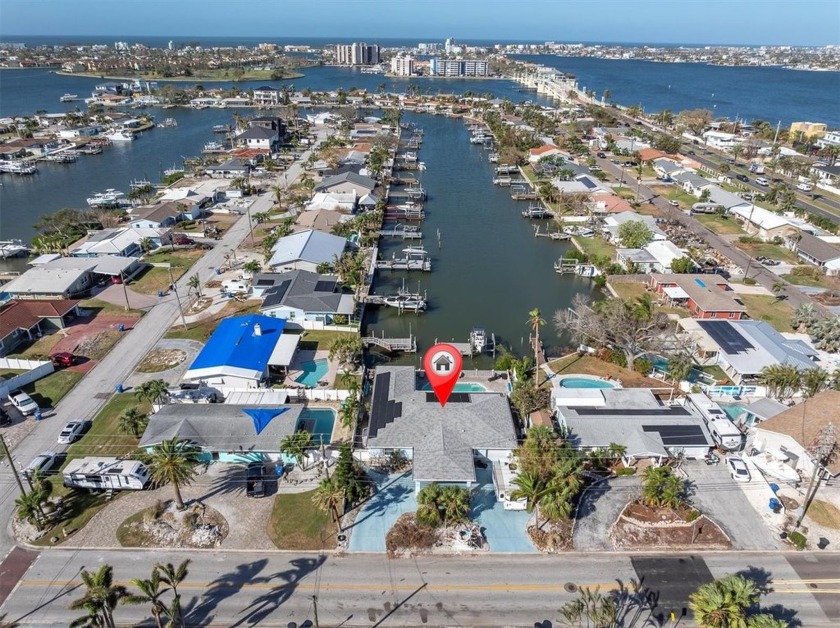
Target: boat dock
(554,235)
(407,345)
(405,263)
(572,266)
(401,231)
(403,212)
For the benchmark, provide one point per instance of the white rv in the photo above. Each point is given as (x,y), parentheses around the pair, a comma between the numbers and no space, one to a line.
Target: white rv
(106,473)
(722,430)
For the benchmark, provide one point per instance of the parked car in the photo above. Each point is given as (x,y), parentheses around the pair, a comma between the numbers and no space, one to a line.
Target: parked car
(594,168)
(255,480)
(742,177)
(23,402)
(181,240)
(71,432)
(761,181)
(64,359)
(674,203)
(42,463)
(691,152)
(616,162)
(602,155)
(738,469)
(805,187)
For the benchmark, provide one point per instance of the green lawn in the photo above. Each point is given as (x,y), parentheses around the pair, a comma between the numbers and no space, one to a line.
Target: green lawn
(628,290)
(103,438)
(803,280)
(768,308)
(104,307)
(47,391)
(589,365)
(625,192)
(773,251)
(319,339)
(153,279)
(596,247)
(676,193)
(297,524)
(720,224)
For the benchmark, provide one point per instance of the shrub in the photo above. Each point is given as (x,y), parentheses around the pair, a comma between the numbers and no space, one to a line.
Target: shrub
(693,515)
(798,539)
(625,471)
(746,239)
(749,281)
(640,365)
(616,357)
(814,272)
(600,281)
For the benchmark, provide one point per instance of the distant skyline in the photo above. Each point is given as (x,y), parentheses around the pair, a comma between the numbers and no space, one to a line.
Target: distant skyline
(735,22)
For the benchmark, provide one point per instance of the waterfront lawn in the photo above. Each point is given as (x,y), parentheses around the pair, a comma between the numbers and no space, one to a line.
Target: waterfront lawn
(319,339)
(297,524)
(153,279)
(721,225)
(773,251)
(575,364)
(768,308)
(628,290)
(49,390)
(203,329)
(596,246)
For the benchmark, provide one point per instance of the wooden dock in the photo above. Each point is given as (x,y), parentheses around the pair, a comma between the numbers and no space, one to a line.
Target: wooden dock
(405,263)
(401,231)
(407,345)
(554,235)
(403,213)
(572,266)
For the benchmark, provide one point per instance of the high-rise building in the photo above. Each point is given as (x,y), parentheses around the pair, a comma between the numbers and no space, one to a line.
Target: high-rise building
(357,54)
(402,65)
(459,67)
(171,45)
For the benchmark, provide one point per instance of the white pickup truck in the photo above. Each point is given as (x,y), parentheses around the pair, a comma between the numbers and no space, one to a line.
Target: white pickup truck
(23,403)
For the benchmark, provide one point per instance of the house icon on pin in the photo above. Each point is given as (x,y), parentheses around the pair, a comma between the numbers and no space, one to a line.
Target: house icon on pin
(443,364)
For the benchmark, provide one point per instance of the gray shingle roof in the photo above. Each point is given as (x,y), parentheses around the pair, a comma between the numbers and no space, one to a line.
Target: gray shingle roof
(443,439)
(351,177)
(306,291)
(819,249)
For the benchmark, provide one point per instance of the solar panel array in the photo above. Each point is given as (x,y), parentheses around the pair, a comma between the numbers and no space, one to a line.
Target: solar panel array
(382,409)
(325,286)
(723,333)
(678,435)
(453,398)
(666,412)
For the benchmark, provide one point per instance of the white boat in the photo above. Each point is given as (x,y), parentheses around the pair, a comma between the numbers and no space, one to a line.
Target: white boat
(415,251)
(121,136)
(65,157)
(537,212)
(17,167)
(12,248)
(108,198)
(479,139)
(478,340)
(406,301)
(69,98)
(213,147)
(772,462)
(221,128)
(139,183)
(168,123)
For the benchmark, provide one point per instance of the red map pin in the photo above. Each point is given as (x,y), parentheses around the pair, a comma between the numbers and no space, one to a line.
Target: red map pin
(442,364)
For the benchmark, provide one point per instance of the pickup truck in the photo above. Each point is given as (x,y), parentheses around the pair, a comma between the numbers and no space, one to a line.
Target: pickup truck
(23,403)
(255,481)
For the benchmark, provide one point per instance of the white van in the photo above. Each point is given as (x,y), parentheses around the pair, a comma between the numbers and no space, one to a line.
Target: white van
(721,429)
(236,285)
(761,181)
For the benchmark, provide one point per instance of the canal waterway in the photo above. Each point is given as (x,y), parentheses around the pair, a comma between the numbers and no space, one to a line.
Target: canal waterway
(489,270)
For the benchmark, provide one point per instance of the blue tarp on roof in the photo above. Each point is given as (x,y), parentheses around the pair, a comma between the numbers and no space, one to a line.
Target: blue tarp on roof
(234,343)
(263,416)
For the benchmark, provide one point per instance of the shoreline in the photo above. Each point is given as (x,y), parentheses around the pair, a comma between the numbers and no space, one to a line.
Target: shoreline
(174,79)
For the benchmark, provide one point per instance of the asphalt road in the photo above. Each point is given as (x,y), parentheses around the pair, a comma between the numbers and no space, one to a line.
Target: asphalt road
(97,387)
(251,589)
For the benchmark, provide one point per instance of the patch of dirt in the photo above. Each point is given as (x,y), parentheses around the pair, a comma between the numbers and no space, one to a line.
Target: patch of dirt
(406,538)
(158,360)
(97,346)
(197,526)
(827,298)
(825,514)
(199,305)
(641,528)
(552,537)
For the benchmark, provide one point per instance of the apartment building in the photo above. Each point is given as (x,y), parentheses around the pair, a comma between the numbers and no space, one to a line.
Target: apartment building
(357,53)
(459,67)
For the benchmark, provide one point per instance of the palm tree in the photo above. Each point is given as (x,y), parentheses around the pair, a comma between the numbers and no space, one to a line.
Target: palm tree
(616,451)
(252,266)
(194,283)
(535,321)
(679,366)
(152,391)
(329,497)
(173,461)
(778,288)
(723,603)
(150,592)
(132,421)
(781,380)
(100,598)
(428,509)
(29,508)
(530,488)
(173,576)
(296,445)
(455,504)
(146,244)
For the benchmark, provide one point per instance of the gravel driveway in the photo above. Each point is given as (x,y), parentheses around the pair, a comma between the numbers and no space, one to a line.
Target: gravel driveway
(599,507)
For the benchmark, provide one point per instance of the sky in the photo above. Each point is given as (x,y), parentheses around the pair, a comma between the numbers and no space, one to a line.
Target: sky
(748,22)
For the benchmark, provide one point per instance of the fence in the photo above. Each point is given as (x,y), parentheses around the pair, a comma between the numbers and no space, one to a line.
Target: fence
(35,370)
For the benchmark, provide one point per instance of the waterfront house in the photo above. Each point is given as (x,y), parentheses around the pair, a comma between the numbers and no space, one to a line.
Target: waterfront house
(705,296)
(307,299)
(227,432)
(795,430)
(306,250)
(163,215)
(204,102)
(654,257)
(321,219)
(243,352)
(112,241)
(818,252)
(541,152)
(613,222)
(333,201)
(230,169)
(607,203)
(580,184)
(259,138)
(21,321)
(634,418)
(442,442)
(345,183)
(266,96)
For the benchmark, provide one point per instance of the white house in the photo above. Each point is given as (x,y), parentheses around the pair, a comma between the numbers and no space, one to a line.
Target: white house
(306,250)
(307,299)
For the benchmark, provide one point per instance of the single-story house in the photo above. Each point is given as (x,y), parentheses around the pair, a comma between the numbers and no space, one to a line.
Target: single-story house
(368,202)
(632,417)
(607,203)
(745,347)
(654,257)
(796,429)
(705,296)
(308,299)
(720,140)
(112,241)
(163,215)
(67,277)
(306,250)
(333,201)
(760,410)
(763,223)
(347,182)
(20,320)
(613,222)
(443,442)
(581,184)
(241,351)
(642,261)
(541,152)
(647,155)
(666,167)
(691,182)
(829,175)
(230,169)
(227,432)
(818,252)
(321,220)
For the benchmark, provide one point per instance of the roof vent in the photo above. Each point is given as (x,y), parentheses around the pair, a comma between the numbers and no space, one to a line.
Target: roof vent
(257,329)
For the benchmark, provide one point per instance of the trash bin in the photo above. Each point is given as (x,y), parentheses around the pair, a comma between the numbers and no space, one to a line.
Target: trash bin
(38,414)
(775,504)
(120,327)
(218,271)
(119,388)
(774,488)
(160,293)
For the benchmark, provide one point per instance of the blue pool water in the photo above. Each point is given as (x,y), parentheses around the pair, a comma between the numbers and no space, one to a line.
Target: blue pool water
(584,382)
(313,371)
(318,422)
(467,387)
(733,410)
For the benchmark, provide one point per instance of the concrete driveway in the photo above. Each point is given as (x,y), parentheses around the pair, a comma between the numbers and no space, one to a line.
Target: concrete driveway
(720,497)
(505,530)
(394,496)
(599,507)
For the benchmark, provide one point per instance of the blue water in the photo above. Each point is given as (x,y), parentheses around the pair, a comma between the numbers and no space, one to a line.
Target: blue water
(468,387)
(733,410)
(313,372)
(318,422)
(584,382)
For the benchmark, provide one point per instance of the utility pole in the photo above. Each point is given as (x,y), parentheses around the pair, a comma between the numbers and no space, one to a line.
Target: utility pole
(12,464)
(177,296)
(125,291)
(315,605)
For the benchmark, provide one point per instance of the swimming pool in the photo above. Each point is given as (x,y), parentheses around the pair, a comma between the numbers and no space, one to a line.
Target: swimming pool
(313,371)
(468,387)
(584,382)
(318,422)
(733,410)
